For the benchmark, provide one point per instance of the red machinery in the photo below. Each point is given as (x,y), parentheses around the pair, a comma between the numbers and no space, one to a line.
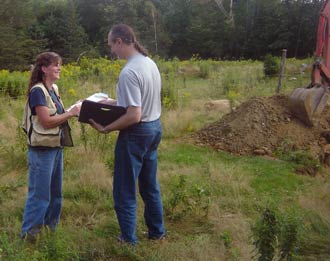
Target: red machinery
(308,103)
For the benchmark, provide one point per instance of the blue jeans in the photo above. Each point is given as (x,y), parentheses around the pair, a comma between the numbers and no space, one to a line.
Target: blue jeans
(44,199)
(136,159)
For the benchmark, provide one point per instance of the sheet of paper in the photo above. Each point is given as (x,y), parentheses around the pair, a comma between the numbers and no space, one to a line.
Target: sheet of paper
(96,97)
(99,96)
(77,103)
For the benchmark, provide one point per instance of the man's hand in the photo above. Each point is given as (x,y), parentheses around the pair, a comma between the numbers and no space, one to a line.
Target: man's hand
(97,126)
(109,101)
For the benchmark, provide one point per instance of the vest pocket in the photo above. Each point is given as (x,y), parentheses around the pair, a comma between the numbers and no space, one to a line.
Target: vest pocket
(45,137)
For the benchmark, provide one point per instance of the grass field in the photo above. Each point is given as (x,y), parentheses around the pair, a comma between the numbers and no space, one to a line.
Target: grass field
(217,206)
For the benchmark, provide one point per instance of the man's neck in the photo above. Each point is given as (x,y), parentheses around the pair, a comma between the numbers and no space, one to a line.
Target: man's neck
(131,51)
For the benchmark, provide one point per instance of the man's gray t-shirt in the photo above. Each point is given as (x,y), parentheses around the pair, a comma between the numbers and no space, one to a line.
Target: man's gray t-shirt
(139,85)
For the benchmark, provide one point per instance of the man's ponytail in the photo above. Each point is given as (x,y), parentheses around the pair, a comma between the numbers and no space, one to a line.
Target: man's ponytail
(126,34)
(140,48)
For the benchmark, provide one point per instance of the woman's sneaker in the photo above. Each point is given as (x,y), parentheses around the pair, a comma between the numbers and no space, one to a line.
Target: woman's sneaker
(123,241)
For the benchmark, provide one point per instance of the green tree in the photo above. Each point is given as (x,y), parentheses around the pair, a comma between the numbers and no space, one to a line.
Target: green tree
(60,26)
(169,28)
(177,20)
(143,16)
(92,19)
(17,48)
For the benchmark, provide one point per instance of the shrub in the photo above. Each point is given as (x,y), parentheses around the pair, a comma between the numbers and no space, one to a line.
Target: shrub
(277,235)
(186,198)
(205,68)
(290,232)
(265,234)
(271,65)
(13,84)
(169,93)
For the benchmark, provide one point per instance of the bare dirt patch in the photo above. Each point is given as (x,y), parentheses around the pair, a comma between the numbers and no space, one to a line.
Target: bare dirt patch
(262,125)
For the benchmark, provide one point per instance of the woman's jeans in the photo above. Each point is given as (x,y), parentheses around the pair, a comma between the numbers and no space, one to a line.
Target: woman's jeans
(44,199)
(136,159)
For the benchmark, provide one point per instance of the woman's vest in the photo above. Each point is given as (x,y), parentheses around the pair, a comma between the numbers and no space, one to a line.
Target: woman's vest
(37,135)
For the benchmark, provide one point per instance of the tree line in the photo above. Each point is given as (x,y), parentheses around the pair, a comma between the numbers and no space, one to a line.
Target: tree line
(217,29)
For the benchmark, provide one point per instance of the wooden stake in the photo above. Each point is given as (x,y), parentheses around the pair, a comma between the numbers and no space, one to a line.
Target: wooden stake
(279,86)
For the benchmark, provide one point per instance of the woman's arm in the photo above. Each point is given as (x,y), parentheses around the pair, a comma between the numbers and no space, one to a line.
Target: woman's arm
(49,122)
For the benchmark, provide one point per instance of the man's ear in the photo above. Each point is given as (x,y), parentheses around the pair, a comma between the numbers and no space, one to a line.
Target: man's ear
(120,41)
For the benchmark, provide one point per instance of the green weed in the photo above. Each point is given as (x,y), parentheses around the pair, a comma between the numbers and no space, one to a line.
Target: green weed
(271,65)
(205,69)
(277,235)
(265,235)
(13,84)
(226,238)
(209,197)
(291,230)
(169,93)
(185,199)
(81,192)
(315,240)
(305,162)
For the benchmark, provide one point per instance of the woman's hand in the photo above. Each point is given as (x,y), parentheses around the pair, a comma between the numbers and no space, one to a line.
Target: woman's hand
(75,110)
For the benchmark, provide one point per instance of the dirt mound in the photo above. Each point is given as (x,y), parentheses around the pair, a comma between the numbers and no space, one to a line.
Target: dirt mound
(262,125)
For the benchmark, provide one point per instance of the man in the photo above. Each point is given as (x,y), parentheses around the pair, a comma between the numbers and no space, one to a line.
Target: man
(138,90)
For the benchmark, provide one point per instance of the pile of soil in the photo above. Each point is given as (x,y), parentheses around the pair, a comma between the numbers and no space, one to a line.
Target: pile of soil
(262,125)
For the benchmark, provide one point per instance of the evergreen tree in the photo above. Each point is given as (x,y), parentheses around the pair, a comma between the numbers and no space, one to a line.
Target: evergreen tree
(60,26)
(92,14)
(17,48)
(177,20)
(170,28)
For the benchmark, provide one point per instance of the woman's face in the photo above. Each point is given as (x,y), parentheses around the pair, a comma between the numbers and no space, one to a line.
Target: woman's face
(52,71)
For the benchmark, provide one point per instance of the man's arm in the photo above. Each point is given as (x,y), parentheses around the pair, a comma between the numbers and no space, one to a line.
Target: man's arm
(132,116)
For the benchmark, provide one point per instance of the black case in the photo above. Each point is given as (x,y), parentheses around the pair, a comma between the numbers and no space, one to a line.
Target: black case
(99,112)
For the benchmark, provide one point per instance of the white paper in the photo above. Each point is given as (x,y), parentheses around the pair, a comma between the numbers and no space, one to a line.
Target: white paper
(77,103)
(96,97)
(99,96)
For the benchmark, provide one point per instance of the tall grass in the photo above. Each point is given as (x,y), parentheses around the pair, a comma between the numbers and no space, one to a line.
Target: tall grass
(212,200)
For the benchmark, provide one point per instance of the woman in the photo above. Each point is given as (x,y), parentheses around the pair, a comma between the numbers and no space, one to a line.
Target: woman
(45,122)
(138,90)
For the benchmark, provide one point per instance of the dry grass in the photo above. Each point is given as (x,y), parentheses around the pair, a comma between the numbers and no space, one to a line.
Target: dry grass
(12,203)
(237,226)
(8,129)
(93,172)
(3,128)
(11,177)
(177,122)
(88,215)
(188,119)
(82,214)
(226,214)
(317,199)
(233,182)
(199,247)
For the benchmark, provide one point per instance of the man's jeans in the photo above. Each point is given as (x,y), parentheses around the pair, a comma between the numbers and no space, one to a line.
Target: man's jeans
(44,199)
(136,159)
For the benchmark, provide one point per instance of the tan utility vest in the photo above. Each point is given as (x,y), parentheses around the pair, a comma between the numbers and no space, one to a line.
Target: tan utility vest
(37,135)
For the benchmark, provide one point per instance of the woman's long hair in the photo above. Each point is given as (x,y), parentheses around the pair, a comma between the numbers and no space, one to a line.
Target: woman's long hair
(126,34)
(43,59)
